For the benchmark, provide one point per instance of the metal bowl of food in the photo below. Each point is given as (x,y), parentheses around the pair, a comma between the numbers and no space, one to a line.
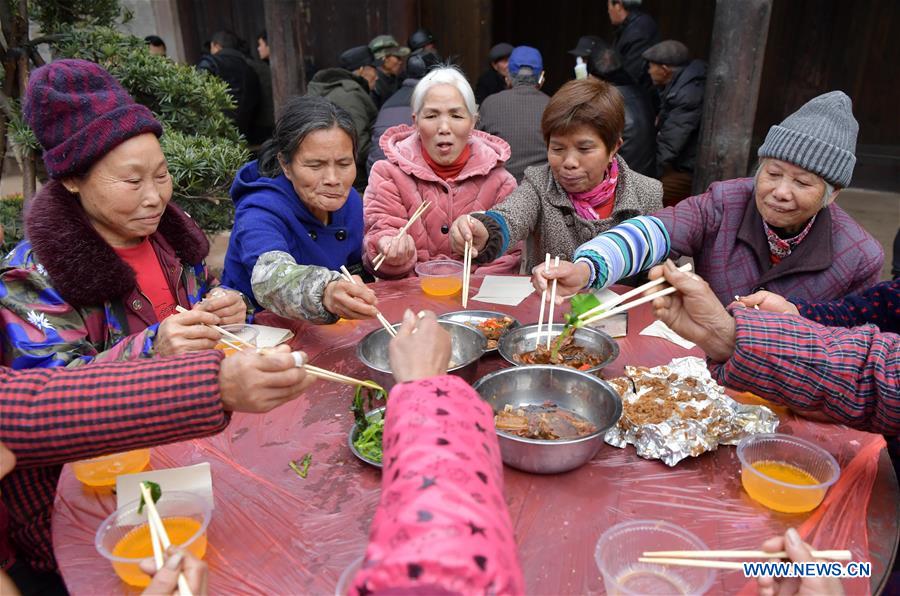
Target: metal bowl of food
(490,322)
(373,417)
(592,400)
(588,350)
(467,346)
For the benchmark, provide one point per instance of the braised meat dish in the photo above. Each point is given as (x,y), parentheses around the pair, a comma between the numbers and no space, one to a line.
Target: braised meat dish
(547,421)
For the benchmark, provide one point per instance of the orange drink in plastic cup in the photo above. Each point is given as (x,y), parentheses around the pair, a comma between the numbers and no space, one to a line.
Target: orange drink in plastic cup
(124,537)
(247,333)
(102,471)
(786,473)
(440,278)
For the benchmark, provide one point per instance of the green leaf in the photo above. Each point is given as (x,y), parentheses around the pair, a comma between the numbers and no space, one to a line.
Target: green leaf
(302,469)
(155,494)
(581,303)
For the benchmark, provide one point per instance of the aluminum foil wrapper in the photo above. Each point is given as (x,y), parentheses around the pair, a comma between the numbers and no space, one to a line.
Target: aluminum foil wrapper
(715,418)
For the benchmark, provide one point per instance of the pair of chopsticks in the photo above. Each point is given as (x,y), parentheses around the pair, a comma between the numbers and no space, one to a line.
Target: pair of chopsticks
(615,306)
(160,538)
(419,211)
(381,319)
(705,558)
(552,304)
(236,343)
(467,269)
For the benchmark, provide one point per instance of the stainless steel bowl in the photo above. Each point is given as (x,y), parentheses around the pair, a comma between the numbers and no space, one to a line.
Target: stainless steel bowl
(524,339)
(372,416)
(475,317)
(467,346)
(574,390)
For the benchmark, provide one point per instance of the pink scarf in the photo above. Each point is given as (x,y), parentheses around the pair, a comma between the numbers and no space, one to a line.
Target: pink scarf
(587,203)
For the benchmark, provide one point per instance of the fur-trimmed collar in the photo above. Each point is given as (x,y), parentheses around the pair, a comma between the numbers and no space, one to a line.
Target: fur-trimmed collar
(85,269)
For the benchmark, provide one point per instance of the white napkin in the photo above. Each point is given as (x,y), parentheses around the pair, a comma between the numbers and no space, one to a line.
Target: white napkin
(509,290)
(660,329)
(269,337)
(195,479)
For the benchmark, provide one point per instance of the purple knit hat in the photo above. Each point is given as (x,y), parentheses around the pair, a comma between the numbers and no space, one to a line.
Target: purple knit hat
(79,112)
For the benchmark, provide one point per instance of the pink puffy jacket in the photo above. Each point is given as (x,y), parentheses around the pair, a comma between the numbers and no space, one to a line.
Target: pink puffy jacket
(403,181)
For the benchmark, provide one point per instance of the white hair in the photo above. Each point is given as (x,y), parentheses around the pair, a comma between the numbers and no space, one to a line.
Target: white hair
(445,75)
(829,188)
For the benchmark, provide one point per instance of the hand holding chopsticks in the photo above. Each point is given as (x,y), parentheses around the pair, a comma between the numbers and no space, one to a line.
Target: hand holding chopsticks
(467,271)
(160,538)
(379,260)
(381,319)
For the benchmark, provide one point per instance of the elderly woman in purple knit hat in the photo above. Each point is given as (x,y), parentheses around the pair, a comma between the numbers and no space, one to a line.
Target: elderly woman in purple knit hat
(778,231)
(108,259)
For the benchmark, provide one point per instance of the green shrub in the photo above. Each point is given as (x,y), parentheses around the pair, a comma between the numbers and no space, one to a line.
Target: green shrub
(11,220)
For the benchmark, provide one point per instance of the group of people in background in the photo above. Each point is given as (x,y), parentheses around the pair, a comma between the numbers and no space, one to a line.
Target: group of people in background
(590,174)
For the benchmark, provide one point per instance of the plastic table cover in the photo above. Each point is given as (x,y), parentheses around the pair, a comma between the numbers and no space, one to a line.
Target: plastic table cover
(274,532)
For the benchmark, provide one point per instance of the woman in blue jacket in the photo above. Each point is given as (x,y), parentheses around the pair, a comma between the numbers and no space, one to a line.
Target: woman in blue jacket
(298,219)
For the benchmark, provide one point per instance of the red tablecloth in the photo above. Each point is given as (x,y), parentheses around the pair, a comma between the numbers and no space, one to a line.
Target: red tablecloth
(273,532)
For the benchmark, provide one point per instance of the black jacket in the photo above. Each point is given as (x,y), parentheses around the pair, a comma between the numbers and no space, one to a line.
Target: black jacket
(385,86)
(635,35)
(489,82)
(679,118)
(243,85)
(639,137)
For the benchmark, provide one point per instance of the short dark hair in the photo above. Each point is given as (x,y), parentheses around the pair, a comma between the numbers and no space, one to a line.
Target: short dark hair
(154,40)
(628,4)
(263,35)
(302,115)
(586,102)
(226,39)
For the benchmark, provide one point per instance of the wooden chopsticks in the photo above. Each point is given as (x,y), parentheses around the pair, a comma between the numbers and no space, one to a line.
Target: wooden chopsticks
(320,373)
(381,319)
(610,308)
(543,302)
(160,538)
(419,211)
(467,271)
(705,558)
(552,306)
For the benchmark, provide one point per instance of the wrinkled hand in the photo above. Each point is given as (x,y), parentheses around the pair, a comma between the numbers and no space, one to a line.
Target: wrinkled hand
(226,304)
(797,551)
(350,301)
(397,251)
(186,332)
(467,228)
(261,381)
(570,278)
(165,580)
(768,301)
(694,312)
(421,348)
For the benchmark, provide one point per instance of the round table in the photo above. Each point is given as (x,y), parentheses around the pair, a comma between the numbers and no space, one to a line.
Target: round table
(274,532)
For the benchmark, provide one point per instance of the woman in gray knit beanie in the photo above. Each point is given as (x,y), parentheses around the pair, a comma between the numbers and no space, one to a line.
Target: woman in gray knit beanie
(778,231)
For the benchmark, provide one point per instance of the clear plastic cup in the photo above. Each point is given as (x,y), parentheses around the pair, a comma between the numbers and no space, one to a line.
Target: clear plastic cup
(440,278)
(345,581)
(785,473)
(102,471)
(247,333)
(620,547)
(124,536)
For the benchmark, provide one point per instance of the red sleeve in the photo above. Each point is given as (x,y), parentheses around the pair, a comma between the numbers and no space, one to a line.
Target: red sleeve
(851,375)
(442,525)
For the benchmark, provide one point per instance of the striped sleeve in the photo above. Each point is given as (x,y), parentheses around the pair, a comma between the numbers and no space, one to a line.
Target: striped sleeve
(627,249)
(851,375)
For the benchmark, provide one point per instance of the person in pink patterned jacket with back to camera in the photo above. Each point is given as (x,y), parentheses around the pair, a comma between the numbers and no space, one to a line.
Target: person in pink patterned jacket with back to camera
(442,160)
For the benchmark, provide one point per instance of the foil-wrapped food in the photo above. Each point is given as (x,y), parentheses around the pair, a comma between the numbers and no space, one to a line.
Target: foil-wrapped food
(676,411)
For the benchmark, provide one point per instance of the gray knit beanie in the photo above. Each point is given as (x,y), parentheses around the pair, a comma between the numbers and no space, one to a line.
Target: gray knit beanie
(819,137)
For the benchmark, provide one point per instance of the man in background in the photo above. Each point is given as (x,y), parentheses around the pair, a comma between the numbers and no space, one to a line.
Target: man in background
(514,115)
(228,63)
(156,45)
(494,79)
(389,57)
(635,32)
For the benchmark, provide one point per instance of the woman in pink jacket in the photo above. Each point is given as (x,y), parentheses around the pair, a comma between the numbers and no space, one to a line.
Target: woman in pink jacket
(441,159)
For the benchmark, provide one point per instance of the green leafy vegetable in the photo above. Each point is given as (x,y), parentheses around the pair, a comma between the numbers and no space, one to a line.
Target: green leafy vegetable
(368,434)
(155,494)
(580,304)
(364,399)
(368,442)
(302,468)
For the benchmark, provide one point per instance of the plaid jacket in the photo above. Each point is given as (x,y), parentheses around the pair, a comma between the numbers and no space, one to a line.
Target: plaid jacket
(66,298)
(54,416)
(852,375)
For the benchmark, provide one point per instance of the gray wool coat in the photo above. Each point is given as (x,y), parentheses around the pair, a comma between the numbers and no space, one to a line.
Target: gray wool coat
(540,210)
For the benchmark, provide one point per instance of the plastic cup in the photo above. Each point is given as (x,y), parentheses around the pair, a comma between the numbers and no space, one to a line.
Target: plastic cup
(440,278)
(124,536)
(785,473)
(247,333)
(102,471)
(345,581)
(620,547)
